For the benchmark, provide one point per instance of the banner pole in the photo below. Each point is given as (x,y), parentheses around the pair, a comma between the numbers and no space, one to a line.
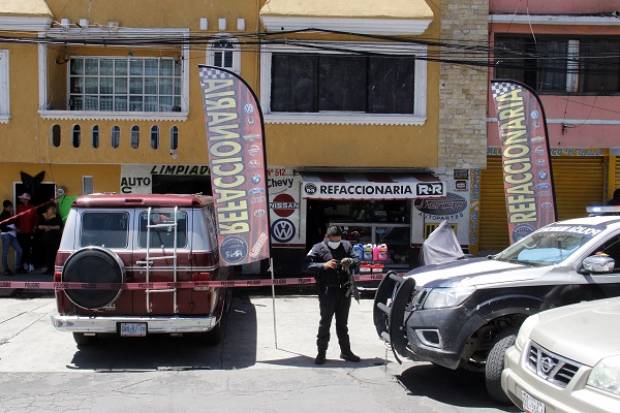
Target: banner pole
(273,304)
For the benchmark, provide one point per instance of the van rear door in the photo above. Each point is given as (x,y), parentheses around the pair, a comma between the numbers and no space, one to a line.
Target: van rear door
(154,252)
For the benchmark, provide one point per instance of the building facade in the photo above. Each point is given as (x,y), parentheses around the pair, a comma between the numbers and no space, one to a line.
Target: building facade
(578,81)
(363,127)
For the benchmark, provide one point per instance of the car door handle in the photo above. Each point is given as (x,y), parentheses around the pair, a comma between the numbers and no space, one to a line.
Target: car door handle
(144,263)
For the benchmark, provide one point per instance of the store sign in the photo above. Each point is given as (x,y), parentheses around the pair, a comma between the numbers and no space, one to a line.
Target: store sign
(286,206)
(373,190)
(450,205)
(526,159)
(454,207)
(138,179)
(235,141)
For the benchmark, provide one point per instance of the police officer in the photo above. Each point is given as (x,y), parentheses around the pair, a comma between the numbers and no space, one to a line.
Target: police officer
(325,261)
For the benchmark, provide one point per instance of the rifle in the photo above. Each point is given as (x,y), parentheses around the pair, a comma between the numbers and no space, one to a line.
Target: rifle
(352,284)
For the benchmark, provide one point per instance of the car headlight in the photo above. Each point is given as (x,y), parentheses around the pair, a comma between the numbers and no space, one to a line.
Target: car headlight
(525,331)
(447,297)
(606,375)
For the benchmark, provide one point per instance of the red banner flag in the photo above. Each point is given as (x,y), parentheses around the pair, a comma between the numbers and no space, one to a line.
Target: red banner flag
(236,143)
(526,159)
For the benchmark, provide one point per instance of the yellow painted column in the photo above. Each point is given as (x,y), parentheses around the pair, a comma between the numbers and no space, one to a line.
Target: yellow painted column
(611,175)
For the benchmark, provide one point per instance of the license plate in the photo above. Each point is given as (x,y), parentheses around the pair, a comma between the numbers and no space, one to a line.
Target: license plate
(532,405)
(133,329)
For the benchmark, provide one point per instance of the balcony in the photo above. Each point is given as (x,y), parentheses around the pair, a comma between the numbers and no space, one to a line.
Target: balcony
(118,82)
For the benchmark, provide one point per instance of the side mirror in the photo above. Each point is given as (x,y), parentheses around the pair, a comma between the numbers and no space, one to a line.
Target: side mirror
(598,264)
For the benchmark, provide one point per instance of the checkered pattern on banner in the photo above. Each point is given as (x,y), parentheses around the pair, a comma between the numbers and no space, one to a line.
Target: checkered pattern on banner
(213,73)
(501,88)
(209,73)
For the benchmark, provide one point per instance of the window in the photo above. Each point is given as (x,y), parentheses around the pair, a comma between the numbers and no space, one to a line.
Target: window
(135,137)
(224,53)
(516,59)
(163,237)
(95,136)
(115,137)
(87,185)
(600,76)
(4,86)
(568,64)
(76,136)
(117,84)
(155,137)
(105,229)
(337,82)
(174,138)
(56,136)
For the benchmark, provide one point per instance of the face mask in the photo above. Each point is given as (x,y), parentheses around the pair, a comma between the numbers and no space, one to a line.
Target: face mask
(333,244)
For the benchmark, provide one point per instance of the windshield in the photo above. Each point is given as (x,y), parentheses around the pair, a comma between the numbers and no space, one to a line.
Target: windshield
(549,245)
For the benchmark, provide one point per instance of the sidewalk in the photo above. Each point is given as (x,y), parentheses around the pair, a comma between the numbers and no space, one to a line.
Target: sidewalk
(5,292)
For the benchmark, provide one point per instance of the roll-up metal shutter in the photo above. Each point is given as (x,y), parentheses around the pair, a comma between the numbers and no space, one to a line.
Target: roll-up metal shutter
(493,225)
(579,181)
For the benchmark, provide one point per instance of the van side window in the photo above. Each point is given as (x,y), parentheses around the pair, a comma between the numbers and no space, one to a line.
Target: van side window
(105,229)
(162,235)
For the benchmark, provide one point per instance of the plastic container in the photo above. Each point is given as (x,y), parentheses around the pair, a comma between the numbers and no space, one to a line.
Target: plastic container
(358,251)
(380,252)
(368,252)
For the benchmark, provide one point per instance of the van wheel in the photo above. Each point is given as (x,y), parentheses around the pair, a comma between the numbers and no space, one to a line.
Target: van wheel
(495,365)
(83,340)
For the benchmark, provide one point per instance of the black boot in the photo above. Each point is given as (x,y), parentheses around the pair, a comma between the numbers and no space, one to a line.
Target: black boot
(320,357)
(348,355)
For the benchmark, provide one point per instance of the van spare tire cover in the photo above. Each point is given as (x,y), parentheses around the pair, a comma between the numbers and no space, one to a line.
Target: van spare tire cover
(93,265)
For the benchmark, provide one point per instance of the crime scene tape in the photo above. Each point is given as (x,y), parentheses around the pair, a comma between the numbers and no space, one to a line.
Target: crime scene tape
(162,285)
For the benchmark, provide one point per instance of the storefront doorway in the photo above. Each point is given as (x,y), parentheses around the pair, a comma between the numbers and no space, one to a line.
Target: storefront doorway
(366,222)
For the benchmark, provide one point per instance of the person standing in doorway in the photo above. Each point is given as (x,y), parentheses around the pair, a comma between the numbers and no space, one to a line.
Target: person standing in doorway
(9,238)
(325,261)
(26,225)
(49,230)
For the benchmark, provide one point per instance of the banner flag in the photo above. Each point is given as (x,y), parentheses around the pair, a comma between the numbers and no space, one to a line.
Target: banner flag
(236,143)
(526,159)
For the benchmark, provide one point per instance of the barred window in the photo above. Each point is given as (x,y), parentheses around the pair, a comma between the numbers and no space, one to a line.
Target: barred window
(118,84)
(116,136)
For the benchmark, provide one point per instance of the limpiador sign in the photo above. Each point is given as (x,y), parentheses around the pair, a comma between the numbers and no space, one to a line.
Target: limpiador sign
(526,161)
(138,179)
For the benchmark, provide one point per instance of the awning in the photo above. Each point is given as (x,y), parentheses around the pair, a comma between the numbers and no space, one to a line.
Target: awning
(409,17)
(24,8)
(371,186)
(25,15)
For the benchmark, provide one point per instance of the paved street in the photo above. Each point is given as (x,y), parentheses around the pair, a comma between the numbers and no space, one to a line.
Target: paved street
(42,370)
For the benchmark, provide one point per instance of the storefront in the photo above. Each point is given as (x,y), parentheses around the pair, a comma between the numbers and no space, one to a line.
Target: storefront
(579,179)
(398,210)
(371,208)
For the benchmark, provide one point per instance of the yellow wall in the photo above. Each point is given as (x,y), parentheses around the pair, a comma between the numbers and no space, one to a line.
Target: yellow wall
(27,136)
(106,178)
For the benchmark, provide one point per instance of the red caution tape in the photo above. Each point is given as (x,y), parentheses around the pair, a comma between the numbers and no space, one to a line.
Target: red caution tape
(51,285)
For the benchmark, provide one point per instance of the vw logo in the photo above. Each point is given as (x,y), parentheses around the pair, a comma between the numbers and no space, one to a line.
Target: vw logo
(310,189)
(283,230)
(249,108)
(546,364)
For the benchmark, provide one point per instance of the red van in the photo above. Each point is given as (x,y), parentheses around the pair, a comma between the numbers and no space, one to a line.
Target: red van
(111,238)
